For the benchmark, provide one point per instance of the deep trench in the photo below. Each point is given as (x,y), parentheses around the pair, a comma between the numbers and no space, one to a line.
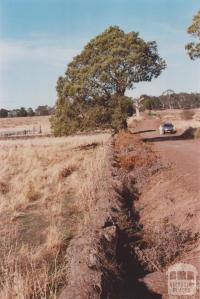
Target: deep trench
(130,286)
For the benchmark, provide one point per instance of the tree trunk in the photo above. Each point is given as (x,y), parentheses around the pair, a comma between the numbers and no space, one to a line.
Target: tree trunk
(137,110)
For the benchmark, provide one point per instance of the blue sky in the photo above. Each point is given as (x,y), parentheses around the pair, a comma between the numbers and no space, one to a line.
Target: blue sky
(38,38)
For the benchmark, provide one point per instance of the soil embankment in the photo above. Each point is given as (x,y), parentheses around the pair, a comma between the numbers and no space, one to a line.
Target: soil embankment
(102,260)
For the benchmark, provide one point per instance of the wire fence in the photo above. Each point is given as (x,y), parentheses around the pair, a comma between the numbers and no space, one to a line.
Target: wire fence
(23,134)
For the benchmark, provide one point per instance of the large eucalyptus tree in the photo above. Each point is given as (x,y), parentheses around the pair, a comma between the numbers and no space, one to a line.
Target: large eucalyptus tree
(92,91)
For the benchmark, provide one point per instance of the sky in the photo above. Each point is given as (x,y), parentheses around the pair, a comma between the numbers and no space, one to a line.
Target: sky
(38,38)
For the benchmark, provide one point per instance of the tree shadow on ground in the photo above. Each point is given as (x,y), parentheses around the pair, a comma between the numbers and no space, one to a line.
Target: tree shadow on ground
(145,131)
(187,134)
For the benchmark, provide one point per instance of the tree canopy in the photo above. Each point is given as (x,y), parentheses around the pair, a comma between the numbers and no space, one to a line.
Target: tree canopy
(3,113)
(23,112)
(91,94)
(43,110)
(193,48)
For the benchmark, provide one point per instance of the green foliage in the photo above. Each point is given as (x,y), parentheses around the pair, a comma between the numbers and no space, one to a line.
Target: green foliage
(192,48)
(18,112)
(148,104)
(64,121)
(22,112)
(43,110)
(3,113)
(175,101)
(30,112)
(92,115)
(91,94)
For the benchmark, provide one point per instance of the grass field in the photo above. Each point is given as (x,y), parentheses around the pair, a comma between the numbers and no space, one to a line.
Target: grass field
(42,204)
(25,123)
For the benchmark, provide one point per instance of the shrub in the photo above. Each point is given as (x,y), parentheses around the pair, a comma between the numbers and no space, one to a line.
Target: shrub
(132,152)
(162,244)
(101,114)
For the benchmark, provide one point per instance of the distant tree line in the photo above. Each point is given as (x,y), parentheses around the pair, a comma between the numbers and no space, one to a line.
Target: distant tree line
(172,101)
(23,112)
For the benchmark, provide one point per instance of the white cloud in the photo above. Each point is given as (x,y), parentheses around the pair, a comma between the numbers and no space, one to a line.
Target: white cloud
(34,51)
(18,58)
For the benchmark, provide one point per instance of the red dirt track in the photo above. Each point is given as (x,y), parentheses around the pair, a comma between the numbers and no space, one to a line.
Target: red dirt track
(173,193)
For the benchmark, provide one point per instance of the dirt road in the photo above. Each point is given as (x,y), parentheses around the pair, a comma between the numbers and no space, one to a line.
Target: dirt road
(179,184)
(182,154)
(172,194)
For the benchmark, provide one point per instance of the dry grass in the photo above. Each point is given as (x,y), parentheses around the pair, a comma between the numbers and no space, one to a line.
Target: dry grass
(94,181)
(162,244)
(25,123)
(47,187)
(133,152)
(132,122)
(187,114)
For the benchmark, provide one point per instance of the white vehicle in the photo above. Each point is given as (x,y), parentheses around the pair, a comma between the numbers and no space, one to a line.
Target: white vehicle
(167,128)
